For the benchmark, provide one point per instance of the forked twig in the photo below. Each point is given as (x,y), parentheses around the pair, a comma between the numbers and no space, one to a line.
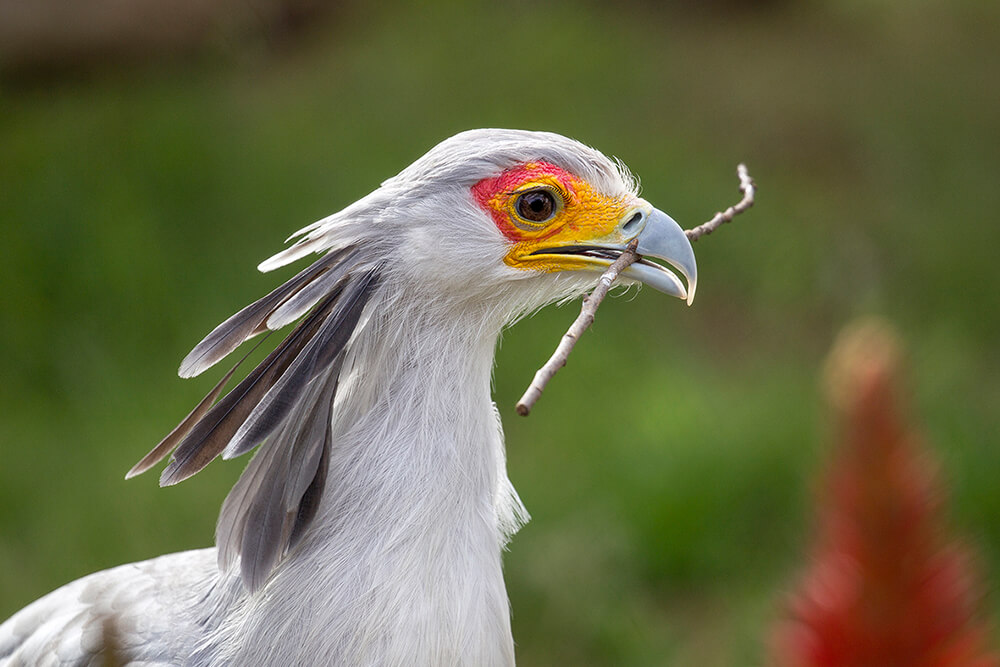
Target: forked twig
(590,303)
(747,187)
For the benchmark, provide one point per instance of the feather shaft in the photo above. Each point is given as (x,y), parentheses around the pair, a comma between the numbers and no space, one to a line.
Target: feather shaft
(214,431)
(248,322)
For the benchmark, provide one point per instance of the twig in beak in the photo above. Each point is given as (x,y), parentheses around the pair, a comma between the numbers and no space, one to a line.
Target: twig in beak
(590,303)
(580,324)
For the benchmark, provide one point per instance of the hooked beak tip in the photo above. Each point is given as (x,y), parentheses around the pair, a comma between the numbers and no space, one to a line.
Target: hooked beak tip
(662,238)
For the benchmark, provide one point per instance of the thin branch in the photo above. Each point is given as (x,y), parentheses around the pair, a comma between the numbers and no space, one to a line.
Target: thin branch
(747,187)
(589,308)
(580,324)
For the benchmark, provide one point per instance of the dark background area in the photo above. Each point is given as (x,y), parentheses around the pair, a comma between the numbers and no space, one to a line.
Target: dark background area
(151,156)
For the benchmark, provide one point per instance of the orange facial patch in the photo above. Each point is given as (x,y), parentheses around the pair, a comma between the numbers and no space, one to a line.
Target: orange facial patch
(583,215)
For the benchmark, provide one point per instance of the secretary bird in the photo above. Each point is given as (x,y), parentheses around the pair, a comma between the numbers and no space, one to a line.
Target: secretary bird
(368,527)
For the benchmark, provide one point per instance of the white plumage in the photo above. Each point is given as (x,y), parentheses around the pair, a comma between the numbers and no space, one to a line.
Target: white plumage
(368,528)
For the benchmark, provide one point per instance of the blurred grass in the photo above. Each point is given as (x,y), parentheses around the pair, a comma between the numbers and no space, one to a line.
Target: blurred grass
(668,468)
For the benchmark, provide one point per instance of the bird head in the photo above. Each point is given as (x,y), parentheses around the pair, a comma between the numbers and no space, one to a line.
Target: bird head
(489,224)
(486,210)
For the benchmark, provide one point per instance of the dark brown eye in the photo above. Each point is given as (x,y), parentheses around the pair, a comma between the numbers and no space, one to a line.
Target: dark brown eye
(536,205)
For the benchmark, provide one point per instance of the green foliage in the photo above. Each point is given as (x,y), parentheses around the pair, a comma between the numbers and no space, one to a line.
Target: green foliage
(666,467)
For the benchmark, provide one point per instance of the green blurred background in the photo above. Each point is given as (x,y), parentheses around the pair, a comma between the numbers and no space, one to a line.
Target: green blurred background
(669,468)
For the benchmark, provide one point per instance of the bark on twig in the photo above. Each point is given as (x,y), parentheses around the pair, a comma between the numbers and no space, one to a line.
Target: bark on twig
(747,187)
(589,308)
(580,324)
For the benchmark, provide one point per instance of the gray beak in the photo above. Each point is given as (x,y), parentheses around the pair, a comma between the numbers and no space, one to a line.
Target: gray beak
(662,238)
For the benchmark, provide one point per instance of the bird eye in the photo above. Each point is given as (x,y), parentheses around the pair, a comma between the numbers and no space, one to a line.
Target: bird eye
(536,205)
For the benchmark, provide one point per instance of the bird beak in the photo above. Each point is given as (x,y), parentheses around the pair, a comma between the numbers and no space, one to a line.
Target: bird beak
(655,234)
(660,237)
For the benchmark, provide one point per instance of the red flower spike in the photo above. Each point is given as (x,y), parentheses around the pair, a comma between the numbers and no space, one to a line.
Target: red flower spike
(886,587)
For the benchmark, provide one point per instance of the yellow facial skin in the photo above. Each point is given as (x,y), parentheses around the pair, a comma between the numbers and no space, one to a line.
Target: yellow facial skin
(582,216)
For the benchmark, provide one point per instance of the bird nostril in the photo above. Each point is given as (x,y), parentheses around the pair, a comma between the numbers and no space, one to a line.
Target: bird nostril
(632,224)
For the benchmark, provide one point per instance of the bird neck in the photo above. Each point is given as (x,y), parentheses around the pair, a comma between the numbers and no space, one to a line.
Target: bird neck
(415,416)
(417,505)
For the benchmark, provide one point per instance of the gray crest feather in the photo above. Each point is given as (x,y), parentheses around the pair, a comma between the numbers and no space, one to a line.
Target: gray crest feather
(230,525)
(253,319)
(313,360)
(212,433)
(296,305)
(308,500)
(168,443)
(293,253)
(285,402)
(258,521)
(317,340)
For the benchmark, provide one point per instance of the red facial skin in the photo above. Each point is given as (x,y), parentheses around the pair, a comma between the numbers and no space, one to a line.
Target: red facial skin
(584,214)
(489,193)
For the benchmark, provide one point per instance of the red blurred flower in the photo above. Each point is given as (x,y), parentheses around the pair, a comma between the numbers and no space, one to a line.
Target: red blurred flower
(885,587)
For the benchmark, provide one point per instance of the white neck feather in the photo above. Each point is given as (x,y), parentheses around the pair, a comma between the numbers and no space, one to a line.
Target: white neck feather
(416,509)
